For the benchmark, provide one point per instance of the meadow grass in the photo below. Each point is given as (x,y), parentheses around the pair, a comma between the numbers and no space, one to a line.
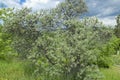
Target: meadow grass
(18,70)
(112,73)
(13,70)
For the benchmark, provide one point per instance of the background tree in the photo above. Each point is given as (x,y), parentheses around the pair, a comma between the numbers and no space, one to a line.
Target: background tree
(104,45)
(117,27)
(117,33)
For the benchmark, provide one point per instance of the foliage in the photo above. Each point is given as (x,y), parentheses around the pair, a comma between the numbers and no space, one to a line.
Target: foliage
(117,27)
(5,49)
(22,27)
(5,39)
(104,48)
(5,13)
(58,44)
(116,59)
(71,9)
(64,52)
(117,33)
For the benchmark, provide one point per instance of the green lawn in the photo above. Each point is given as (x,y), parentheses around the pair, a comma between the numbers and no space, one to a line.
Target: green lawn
(112,73)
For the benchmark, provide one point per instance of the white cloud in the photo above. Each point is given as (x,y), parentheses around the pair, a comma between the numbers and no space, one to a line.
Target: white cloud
(34,4)
(106,11)
(11,3)
(42,1)
(108,21)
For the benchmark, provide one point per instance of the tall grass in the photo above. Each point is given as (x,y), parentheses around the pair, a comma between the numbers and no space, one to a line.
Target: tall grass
(13,71)
(22,70)
(112,73)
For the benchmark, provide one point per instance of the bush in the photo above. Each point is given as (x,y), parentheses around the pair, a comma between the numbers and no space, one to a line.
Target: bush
(68,53)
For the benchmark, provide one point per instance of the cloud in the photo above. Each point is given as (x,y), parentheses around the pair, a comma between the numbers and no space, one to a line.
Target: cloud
(108,20)
(96,7)
(11,3)
(40,4)
(34,4)
(105,10)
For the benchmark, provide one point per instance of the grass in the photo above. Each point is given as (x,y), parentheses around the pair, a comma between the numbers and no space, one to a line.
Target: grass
(13,71)
(112,73)
(16,70)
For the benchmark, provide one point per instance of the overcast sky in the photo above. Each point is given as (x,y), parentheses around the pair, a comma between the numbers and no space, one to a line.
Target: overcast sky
(105,10)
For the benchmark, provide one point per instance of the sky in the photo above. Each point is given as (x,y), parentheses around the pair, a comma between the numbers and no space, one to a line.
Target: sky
(105,10)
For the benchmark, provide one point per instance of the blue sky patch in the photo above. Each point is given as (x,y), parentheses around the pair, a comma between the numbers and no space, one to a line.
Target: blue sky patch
(22,1)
